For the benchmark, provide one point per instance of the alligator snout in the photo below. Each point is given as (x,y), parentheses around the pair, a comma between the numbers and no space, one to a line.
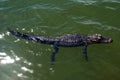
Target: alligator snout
(110,40)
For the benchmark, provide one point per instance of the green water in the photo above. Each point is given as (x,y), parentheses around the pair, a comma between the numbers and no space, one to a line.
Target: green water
(25,60)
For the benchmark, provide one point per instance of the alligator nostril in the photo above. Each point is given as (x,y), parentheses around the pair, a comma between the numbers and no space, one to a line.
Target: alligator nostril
(110,40)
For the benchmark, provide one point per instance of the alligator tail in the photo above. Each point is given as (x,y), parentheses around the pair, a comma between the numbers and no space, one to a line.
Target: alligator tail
(35,38)
(21,35)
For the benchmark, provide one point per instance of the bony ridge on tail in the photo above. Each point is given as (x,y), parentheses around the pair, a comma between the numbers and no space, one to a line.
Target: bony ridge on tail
(68,40)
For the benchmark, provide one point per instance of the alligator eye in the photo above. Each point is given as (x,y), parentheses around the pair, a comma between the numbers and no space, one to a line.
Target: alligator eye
(99,36)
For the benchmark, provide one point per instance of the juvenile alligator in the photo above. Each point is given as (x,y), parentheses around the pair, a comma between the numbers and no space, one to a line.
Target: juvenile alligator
(69,40)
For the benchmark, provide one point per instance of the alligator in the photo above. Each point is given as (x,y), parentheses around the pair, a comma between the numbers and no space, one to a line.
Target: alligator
(68,40)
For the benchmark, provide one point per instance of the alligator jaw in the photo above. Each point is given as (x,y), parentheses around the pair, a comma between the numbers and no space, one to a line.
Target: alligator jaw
(106,40)
(98,38)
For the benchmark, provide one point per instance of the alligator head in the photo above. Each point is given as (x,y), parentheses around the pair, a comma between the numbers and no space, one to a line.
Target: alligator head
(98,38)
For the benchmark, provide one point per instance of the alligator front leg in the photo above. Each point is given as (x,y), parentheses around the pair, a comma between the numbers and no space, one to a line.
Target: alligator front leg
(85,52)
(54,53)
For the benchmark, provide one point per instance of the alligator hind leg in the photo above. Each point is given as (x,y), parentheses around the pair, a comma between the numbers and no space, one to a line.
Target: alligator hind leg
(54,53)
(85,52)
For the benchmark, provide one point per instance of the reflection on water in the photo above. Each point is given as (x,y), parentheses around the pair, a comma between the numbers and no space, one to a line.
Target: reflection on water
(4,59)
(1,36)
(18,70)
(17,40)
(26,69)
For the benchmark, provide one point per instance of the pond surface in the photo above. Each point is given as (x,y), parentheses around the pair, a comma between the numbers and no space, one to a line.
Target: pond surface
(25,60)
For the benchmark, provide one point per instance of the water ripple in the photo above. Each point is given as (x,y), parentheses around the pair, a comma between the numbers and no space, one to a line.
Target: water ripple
(3,0)
(83,20)
(103,3)
(111,8)
(45,6)
(4,8)
(113,1)
(25,20)
(100,25)
(86,2)
(40,7)
(91,2)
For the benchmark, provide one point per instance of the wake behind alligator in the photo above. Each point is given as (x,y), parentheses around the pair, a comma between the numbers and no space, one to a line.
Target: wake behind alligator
(68,40)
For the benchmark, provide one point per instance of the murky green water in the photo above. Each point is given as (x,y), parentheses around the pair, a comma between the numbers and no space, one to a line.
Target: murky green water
(23,60)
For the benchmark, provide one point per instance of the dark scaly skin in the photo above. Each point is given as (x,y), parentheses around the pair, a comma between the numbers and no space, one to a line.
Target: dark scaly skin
(69,40)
